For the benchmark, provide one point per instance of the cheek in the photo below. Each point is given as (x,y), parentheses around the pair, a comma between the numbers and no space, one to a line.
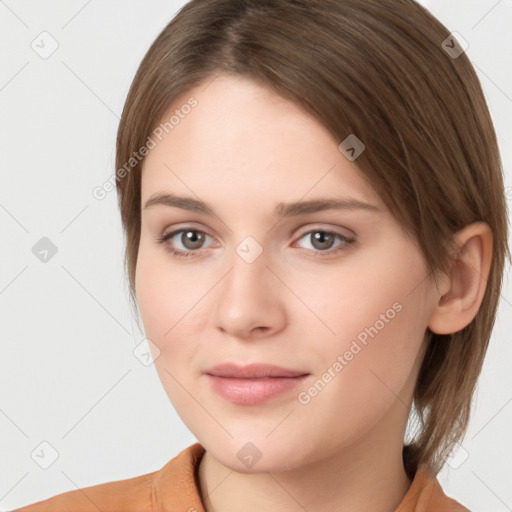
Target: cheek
(359,384)
(366,297)
(376,297)
(166,298)
(162,294)
(380,320)
(174,304)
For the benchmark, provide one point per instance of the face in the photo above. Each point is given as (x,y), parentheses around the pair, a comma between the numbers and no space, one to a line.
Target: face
(339,296)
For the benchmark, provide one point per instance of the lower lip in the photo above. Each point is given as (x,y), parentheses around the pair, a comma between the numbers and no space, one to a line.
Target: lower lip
(253,391)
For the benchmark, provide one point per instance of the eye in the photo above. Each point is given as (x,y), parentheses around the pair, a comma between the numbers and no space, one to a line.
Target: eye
(191,239)
(322,241)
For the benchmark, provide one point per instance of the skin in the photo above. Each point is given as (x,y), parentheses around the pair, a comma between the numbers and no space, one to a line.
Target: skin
(243,150)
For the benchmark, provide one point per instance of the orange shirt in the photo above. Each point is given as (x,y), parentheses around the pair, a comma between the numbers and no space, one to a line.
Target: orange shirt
(175,488)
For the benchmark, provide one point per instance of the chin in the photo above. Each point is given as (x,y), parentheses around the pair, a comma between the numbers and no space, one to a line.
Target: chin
(258,456)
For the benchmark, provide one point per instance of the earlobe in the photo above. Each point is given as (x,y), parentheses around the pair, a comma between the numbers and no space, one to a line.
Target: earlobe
(465,286)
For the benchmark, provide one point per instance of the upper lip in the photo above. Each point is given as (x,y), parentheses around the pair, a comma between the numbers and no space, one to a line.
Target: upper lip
(252,371)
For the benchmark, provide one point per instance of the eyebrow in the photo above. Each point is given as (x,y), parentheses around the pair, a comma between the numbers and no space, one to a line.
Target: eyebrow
(281,210)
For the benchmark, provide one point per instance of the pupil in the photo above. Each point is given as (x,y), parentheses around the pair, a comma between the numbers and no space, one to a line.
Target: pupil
(322,237)
(195,238)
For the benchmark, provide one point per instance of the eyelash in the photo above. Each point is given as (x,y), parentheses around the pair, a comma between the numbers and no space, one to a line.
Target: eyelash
(347,242)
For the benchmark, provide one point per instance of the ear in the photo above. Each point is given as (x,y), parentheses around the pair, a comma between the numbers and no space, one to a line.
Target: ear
(462,291)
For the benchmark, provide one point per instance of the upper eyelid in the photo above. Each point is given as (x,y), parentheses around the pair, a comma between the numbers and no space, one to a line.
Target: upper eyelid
(190,227)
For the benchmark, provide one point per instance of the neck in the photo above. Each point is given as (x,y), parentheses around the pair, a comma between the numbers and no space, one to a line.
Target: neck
(368,475)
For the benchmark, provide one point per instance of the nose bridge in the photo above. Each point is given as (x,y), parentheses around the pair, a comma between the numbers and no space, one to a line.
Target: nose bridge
(248,277)
(248,300)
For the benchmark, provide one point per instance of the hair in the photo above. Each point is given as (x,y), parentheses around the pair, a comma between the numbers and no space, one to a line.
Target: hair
(376,69)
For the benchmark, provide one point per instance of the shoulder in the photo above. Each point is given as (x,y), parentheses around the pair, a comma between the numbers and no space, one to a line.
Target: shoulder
(143,493)
(427,495)
(109,496)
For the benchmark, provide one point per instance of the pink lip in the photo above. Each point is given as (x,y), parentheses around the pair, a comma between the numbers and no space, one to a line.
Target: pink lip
(252,384)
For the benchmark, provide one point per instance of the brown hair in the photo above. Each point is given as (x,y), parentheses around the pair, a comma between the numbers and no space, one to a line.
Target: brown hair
(376,69)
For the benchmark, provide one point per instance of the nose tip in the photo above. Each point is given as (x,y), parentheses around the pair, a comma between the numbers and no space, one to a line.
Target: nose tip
(247,306)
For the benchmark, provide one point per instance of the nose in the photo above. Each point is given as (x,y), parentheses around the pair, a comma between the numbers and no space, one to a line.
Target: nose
(250,303)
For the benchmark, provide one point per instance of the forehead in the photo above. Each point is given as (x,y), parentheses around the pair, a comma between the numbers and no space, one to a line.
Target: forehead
(242,139)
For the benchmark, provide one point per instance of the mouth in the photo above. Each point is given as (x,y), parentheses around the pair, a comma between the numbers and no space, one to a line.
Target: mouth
(252,371)
(253,384)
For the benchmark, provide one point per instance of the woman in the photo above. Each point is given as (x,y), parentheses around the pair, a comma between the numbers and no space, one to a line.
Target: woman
(316,233)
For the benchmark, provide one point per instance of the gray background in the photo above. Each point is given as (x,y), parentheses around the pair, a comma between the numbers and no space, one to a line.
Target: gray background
(68,375)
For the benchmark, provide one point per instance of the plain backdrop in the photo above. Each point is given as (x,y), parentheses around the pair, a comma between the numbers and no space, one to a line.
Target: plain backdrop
(74,397)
